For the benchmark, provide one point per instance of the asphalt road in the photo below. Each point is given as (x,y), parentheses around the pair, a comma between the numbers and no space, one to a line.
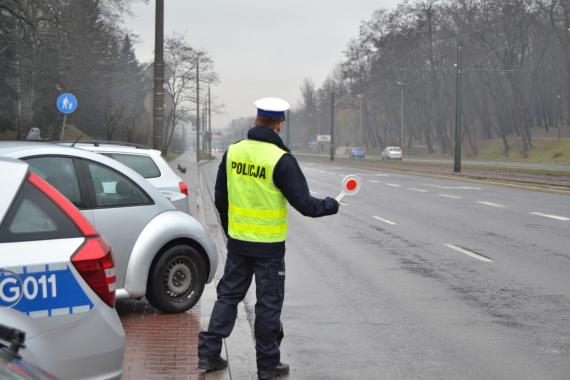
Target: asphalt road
(426,278)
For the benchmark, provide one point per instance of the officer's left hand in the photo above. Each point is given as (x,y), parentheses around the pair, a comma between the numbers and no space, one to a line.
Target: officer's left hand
(331,205)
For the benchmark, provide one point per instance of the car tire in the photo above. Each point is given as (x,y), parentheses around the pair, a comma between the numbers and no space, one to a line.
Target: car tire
(176,280)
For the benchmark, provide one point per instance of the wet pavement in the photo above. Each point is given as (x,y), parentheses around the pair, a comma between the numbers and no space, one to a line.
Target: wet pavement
(165,346)
(159,346)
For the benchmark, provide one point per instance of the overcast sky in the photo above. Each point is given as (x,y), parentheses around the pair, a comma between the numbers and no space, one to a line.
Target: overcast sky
(261,48)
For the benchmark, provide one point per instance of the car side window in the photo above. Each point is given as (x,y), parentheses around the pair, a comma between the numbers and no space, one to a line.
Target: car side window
(113,189)
(143,165)
(33,216)
(60,173)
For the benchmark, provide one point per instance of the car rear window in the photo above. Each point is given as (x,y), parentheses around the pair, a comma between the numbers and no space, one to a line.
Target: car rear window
(143,165)
(33,216)
(395,149)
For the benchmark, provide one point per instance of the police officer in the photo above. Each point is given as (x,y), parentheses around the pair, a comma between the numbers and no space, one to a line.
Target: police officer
(256,179)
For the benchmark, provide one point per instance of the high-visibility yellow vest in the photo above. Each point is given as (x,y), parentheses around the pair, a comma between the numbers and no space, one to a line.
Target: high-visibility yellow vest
(257,209)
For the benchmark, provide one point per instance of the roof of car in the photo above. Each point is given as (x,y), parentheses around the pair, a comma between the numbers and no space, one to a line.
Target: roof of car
(117,148)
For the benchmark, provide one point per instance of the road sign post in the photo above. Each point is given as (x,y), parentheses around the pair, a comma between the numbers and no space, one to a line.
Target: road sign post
(66,104)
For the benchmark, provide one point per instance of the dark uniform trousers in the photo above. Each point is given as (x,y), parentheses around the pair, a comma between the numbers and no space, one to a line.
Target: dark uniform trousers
(270,289)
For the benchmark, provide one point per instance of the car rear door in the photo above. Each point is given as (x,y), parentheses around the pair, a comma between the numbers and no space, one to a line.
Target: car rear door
(61,173)
(40,290)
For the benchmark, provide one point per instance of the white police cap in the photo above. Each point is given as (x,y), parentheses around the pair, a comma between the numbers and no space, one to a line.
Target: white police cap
(273,108)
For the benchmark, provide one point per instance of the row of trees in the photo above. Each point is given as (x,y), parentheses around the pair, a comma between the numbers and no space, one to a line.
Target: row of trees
(52,46)
(516,75)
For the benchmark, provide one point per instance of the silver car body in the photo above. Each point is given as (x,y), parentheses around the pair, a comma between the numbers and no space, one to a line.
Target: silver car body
(165,178)
(136,233)
(77,342)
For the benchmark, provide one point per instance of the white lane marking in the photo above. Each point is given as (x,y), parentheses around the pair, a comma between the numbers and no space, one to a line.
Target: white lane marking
(314,192)
(393,185)
(331,173)
(371,175)
(384,220)
(475,255)
(322,171)
(372,181)
(450,196)
(555,217)
(453,187)
(342,203)
(418,190)
(497,205)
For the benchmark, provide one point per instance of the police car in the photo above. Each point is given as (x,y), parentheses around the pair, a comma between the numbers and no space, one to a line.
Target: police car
(57,280)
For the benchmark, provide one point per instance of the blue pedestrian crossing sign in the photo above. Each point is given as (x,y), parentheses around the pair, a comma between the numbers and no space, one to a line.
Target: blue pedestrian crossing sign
(67,103)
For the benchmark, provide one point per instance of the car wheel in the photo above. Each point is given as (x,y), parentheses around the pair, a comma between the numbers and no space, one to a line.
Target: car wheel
(176,280)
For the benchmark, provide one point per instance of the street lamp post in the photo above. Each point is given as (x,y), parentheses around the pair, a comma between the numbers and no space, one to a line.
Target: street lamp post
(360,132)
(332,125)
(559,116)
(158,114)
(198,107)
(458,91)
(209,122)
(401,113)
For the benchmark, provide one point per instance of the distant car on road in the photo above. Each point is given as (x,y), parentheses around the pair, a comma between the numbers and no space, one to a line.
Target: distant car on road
(392,153)
(149,164)
(160,252)
(357,152)
(57,281)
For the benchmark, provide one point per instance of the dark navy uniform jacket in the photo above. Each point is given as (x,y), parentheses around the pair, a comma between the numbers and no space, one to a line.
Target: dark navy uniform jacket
(288,178)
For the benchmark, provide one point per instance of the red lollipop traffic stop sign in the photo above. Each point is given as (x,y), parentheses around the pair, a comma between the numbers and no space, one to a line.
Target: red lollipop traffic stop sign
(350,186)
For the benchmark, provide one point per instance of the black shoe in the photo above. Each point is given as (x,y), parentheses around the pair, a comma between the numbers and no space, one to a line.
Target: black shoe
(213,364)
(280,369)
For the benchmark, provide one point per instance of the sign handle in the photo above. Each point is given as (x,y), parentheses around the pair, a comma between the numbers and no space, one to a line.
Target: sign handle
(340,196)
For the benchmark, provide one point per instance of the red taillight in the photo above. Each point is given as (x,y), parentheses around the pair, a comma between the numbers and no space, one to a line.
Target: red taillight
(183,188)
(64,204)
(94,262)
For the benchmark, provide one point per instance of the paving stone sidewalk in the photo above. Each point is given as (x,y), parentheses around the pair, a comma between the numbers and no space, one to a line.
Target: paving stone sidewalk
(164,346)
